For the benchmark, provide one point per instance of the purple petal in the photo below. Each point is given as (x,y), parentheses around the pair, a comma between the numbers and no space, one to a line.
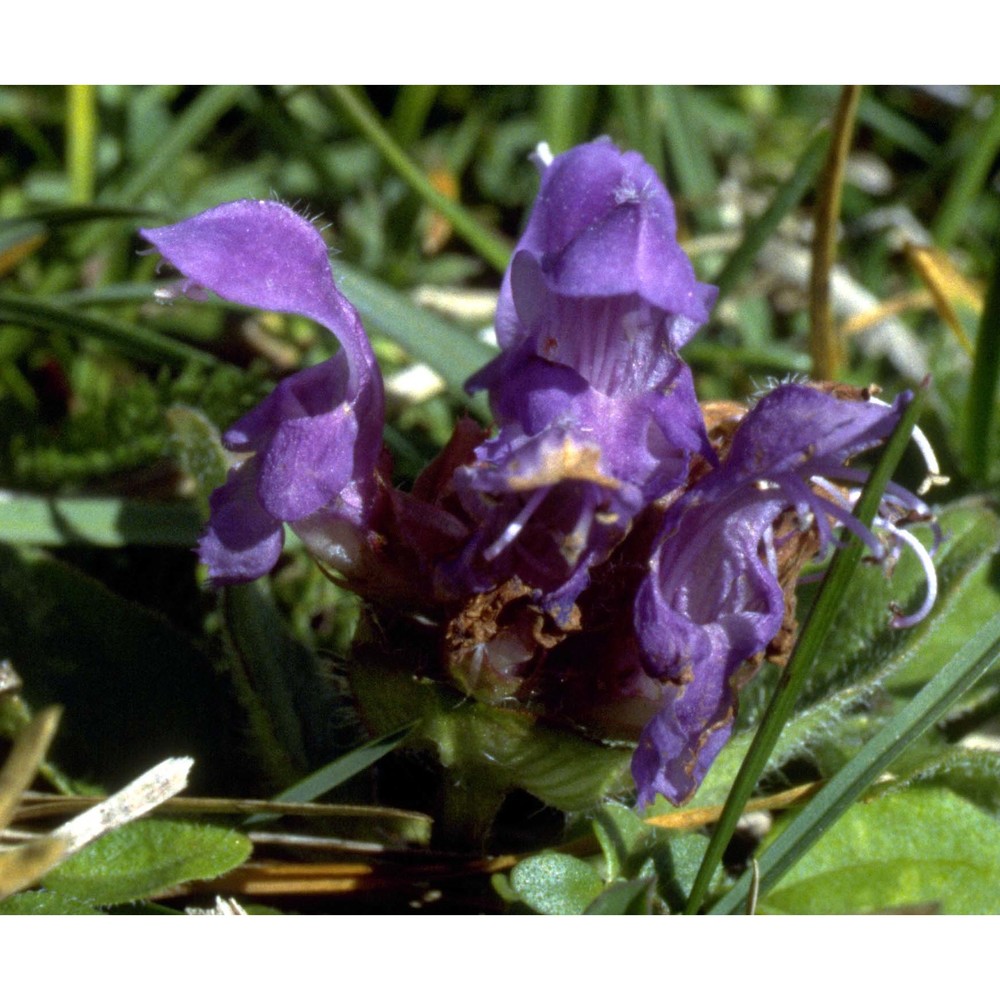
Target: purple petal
(603,225)
(710,603)
(796,428)
(712,599)
(242,541)
(263,255)
(317,437)
(309,393)
(307,463)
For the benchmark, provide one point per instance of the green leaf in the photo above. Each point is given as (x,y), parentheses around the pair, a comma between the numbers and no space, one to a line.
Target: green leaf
(290,705)
(147,857)
(621,834)
(920,846)
(136,688)
(110,521)
(555,883)
(971,773)
(46,903)
(634,897)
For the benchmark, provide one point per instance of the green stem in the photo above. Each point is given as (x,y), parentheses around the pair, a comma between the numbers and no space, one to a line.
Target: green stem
(813,634)
(825,346)
(490,246)
(81,142)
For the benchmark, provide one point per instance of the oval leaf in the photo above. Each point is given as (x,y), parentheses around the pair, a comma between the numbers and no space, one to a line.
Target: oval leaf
(138,860)
(556,883)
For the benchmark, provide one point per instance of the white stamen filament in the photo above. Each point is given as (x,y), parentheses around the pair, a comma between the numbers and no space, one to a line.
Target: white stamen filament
(515,527)
(900,620)
(769,553)
(933,477)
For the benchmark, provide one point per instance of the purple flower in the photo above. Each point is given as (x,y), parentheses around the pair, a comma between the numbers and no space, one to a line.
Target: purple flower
(309,450)
(598,282)
(555,491)
(712,599)
(597,413)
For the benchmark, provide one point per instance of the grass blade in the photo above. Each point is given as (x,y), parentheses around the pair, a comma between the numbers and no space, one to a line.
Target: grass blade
(136,342)
(787,196)
(338,771)
(883,119)
(980,410)
(68,215)
(814,631)
(410,111)
(487,244)
(639,127)
(690,160)
(196,122)
(934,699)
(564,114)
(968,181)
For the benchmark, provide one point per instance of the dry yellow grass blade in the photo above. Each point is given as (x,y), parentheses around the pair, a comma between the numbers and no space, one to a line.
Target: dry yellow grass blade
(35,806)
(284,878)
(25,865)
(21,766)
(691,819)
(861,321)
(948,287)
(13,255)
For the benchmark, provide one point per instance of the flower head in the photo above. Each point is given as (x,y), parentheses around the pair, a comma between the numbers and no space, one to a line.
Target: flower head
(309,450)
